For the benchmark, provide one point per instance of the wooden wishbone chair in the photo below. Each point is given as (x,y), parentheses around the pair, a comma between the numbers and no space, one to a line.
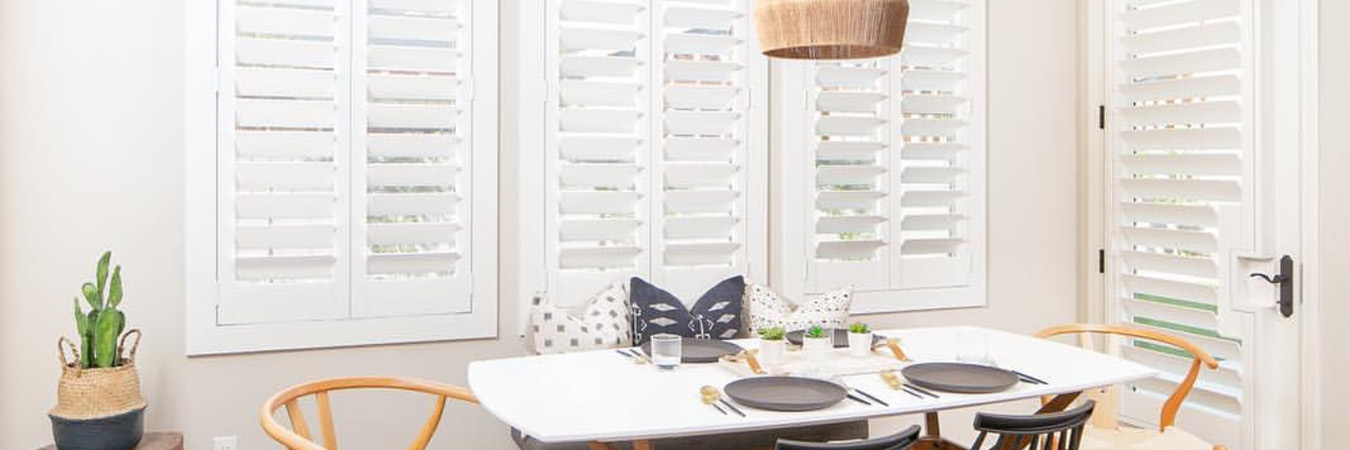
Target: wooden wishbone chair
(1105,432)
(298,437)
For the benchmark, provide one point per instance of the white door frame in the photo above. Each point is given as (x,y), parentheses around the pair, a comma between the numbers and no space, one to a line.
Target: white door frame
(1093,90)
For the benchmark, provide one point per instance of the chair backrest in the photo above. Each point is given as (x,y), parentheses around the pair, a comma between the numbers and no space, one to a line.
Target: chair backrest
(1199,356)
(298,436)
(899,441)
(1055,431)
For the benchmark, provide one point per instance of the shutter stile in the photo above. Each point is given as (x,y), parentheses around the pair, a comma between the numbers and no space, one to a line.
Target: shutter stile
(1182,146)
(282,195)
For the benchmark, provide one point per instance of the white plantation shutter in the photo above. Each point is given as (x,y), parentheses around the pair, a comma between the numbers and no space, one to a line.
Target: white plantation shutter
(345,160)
(647,137)
(1182,146)
(283,185)
(414,118)
(894,149)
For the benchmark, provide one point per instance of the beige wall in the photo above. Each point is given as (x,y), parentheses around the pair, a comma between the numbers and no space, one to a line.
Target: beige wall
(91,159)
(1335,220)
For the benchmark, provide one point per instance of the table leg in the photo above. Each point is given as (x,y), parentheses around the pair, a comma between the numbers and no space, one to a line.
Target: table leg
(637,445)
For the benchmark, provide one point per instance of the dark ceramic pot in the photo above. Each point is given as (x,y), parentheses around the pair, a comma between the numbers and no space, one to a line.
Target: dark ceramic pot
(119,432)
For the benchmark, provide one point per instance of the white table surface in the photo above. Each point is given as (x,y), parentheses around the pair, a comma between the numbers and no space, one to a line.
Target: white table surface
(602,396)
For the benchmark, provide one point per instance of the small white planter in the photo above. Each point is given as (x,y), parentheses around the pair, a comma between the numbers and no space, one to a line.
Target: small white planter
(771,352)
(817,348)
(859,344)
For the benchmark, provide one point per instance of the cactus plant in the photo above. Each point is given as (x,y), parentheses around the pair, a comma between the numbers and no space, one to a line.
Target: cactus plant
(816,332)
(859,328)
(103,324)
(772,333)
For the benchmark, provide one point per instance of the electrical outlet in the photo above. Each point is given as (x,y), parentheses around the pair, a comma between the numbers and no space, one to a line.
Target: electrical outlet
(226,443)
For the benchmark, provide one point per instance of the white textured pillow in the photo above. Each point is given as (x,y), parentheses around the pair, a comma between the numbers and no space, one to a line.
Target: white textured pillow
(767,309)
(605,324)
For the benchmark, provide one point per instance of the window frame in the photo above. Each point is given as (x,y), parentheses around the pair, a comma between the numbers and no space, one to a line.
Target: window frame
(792,87)
(205,336)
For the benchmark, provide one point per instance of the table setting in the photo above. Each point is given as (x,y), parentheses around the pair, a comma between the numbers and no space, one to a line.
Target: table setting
(674,387)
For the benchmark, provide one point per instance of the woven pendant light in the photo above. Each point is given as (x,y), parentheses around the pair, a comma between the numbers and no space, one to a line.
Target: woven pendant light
(831,29)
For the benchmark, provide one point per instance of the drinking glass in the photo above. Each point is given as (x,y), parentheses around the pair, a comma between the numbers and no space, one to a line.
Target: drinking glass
(972,347)
(666,351)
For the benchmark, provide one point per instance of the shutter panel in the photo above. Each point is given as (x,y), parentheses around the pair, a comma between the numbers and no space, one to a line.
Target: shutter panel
(597,170)
(898,160)
(282,185)
(413,146)
(1182,144)
(701,133)
(853,117)
(939,126)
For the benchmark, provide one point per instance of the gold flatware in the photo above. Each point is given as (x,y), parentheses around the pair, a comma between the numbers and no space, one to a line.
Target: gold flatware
(750,360)
(710,396)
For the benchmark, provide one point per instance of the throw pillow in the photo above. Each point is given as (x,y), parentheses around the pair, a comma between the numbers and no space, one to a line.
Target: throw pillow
(603,325)
(716,315)
(767,309)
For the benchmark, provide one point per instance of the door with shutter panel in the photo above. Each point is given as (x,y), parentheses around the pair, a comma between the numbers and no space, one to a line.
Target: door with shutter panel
(412,120)
(649,142)
(283,183)
(1189,206)
(894,168)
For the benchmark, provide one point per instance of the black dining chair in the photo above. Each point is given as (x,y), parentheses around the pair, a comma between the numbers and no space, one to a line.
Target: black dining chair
(1055,431)
(899,441)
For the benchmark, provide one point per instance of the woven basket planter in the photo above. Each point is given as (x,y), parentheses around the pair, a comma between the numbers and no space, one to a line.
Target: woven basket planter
(831,29)
(100,408)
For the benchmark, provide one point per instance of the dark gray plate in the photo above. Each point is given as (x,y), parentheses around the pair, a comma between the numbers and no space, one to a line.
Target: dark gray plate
(840,338)
(700,351)
(786,393)
(960,378)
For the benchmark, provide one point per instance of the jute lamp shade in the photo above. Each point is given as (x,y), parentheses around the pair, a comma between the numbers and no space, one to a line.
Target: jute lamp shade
(831,29)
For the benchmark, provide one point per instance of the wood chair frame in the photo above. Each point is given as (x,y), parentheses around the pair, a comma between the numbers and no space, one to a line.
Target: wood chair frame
(298,437)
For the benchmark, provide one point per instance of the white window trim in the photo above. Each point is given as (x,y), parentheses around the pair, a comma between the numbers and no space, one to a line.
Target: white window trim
(206,337)
(532,206)
(790,272)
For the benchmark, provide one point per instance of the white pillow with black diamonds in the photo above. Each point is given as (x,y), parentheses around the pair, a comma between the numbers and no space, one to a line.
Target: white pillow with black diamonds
(767,309)
(604,324)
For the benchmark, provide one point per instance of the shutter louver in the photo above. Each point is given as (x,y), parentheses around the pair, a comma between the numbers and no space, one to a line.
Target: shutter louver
(1181,148)
(892,174)
(283,188)
(415,105)
(700,148)
(598,175)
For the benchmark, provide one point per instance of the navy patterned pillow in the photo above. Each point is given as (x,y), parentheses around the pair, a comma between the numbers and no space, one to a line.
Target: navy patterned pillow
(716,315)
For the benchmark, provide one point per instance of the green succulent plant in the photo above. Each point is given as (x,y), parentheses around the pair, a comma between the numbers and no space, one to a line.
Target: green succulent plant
(816,332)
(772,333)
(103,324)
(859,328)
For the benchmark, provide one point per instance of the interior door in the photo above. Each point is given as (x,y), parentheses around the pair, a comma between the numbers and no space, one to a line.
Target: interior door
(1202,193)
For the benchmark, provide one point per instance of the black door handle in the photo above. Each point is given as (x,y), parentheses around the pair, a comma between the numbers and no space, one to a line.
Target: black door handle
(1285,279)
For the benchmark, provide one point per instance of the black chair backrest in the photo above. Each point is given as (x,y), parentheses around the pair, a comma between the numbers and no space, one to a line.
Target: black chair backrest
(1057,431)
(899,441)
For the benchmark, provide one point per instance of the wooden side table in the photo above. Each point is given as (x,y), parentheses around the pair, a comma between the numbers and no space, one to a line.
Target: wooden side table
(151,441)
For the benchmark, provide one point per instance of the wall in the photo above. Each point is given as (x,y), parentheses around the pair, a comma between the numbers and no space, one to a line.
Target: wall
(1335,243)
(91,159)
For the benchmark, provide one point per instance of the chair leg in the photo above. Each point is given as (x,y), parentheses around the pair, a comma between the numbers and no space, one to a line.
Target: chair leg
(599,446)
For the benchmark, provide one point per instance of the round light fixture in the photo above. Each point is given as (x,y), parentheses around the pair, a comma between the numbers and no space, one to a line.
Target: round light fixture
(831,29)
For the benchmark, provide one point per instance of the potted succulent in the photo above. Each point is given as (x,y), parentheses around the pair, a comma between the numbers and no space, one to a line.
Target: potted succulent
(859,339)
(817,342)
(98,401)
(772,345)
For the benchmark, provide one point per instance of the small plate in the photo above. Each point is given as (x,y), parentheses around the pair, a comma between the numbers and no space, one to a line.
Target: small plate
(840,338)
(960,378)
(700,351)
(786,393)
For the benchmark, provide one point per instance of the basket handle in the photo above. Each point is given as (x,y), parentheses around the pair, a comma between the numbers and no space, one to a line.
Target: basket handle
(74,351)
(135,345)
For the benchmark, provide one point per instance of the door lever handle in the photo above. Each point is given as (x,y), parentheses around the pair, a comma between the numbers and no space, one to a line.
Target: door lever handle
(1285,280)
(1278,279)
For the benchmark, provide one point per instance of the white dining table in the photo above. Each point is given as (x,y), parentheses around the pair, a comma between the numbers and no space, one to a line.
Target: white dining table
(602,397)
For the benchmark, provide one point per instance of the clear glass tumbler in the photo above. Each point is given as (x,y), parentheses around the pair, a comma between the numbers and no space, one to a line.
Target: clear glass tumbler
(667,351)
